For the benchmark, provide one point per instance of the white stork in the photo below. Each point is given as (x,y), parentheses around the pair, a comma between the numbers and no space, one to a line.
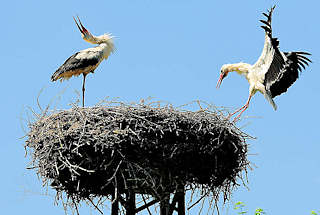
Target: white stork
(273,73)
(87,60)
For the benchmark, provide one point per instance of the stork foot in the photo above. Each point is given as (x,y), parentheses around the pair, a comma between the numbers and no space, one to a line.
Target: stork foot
(231,114)
(242,109)
(238,116)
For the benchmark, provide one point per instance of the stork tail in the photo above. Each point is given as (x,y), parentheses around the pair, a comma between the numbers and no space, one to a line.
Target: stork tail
(268,96)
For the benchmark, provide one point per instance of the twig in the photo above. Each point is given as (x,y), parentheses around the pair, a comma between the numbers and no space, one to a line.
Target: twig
(197,201)
(146,205)
(157,139)
(95,205)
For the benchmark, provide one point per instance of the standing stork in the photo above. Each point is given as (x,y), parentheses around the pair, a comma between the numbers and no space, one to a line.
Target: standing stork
(87,60)
(273,73)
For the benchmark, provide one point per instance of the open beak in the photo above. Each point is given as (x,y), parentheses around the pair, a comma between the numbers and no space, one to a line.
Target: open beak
(82,29)
(222,76)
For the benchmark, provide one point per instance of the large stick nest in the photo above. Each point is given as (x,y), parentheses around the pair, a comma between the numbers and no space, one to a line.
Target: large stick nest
(150,150)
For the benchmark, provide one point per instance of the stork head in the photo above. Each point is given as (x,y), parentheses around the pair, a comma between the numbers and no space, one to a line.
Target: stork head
(85,34)
(223,73)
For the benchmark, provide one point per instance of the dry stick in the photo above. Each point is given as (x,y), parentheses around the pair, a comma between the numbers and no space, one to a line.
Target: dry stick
(210,204)
(83,127)
(74,166)
(197,201)
(115,202)
(216,206)
(64,205)
(173,204)
(115,197)
(191,196)
(202,203)
(189,116)
(34,113)
(75,205)
(95,205)
(56,167)
(38,102)
(115,172)
(102,200)
(123,209)
(121,200)
(146,205)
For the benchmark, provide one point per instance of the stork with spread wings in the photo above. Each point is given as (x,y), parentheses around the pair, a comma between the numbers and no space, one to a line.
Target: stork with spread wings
(273,73)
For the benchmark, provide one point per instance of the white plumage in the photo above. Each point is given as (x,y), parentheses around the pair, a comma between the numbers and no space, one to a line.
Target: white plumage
(273,73)
(87,60)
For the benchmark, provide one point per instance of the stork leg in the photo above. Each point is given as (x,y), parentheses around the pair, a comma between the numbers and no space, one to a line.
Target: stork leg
(243,108)
(83,88)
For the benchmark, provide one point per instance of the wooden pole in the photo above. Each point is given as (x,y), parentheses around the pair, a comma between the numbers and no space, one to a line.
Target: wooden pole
(130,203)
(165,196)
(165,205)
(181,202)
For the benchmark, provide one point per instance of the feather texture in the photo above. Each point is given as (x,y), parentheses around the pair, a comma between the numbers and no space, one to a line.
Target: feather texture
(280,69)
(85,61)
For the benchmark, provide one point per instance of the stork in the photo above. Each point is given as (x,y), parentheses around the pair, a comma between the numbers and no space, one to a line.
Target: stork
(273,73)
(87,60)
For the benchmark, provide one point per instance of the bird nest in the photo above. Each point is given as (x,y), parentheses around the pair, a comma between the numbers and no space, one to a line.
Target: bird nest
(147,149)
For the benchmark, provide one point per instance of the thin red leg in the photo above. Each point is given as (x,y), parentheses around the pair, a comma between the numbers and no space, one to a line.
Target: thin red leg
(83,88)
(230,115)
(243,108)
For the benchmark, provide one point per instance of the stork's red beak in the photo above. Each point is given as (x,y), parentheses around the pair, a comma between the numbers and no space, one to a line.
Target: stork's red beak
(82,29)
(222,76)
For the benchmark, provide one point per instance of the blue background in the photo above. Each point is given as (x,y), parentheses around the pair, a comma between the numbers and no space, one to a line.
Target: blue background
(173,51)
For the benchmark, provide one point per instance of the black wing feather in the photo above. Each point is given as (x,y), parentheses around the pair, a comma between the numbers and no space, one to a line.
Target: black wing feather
(265,22)
(304,59)
(287,75)
(74,63)
(266,15)
(305,53)
(285,66)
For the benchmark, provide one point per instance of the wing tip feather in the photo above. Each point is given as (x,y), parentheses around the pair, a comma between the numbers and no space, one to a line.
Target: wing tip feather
(267,27)
(55,76)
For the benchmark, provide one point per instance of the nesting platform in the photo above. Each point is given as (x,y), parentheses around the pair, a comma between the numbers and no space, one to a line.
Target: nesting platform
(140,149)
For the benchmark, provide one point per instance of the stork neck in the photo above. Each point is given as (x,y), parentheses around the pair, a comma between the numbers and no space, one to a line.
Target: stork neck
(240,68)
(107,49)
(95,40)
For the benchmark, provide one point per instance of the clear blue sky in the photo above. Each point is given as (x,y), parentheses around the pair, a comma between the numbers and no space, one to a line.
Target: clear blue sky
(173,51)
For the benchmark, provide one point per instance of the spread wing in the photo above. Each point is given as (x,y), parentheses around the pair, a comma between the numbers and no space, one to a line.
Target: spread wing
(279,69)
(85,61)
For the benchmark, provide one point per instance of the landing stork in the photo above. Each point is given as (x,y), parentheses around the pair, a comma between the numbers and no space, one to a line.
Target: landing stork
(87,60)
(273,73)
